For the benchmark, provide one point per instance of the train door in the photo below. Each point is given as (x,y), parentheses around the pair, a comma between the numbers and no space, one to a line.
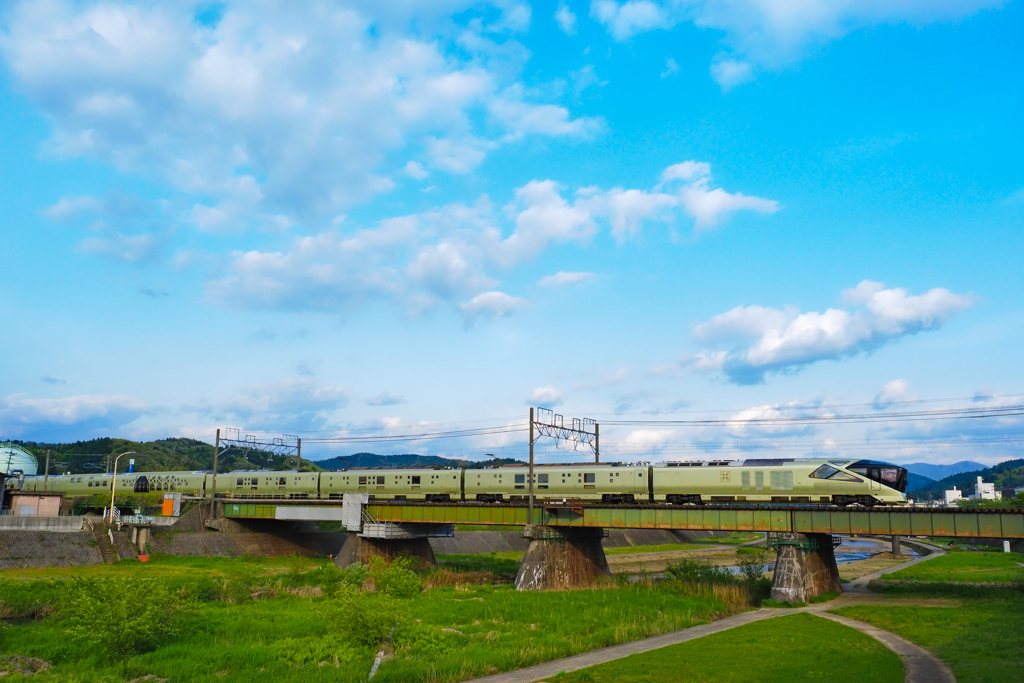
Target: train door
(142,485)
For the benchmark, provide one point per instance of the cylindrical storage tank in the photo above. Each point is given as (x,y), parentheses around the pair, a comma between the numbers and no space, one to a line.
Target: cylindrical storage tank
(13,458)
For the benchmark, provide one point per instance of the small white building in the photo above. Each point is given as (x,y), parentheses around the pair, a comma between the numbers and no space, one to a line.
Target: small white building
(983,491)
(953,496)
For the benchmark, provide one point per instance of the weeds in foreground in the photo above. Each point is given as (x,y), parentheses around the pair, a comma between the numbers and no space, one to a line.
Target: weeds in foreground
(121,617)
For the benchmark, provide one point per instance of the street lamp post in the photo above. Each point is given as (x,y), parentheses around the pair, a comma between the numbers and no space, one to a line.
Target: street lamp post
(113,486)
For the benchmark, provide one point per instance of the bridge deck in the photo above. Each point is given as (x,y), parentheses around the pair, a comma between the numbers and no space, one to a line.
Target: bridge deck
(904,521)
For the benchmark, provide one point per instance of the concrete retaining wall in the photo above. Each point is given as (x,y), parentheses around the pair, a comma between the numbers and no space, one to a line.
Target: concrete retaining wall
(20,549)
(30,522)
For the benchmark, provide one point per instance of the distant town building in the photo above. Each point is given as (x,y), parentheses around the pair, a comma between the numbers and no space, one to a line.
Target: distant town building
(983,491)
(953,496)
(1012,491)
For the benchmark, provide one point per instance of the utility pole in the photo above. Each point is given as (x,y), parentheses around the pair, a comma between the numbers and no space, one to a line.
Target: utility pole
(298,457)
(46,472)
(213,483)
(597,443)
(529,511)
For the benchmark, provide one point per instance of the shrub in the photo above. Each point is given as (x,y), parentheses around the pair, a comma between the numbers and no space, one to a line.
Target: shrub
(333,579)
(119,617)
(753,565)
(699,570)
(395,578)
(367,618)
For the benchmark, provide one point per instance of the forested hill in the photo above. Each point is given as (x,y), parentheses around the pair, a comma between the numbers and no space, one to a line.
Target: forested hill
(407,460)
(172,454)
(1005,474)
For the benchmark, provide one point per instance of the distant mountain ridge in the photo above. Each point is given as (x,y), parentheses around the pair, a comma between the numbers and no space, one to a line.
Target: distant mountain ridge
(937,472)
(1003,475)
(407,460)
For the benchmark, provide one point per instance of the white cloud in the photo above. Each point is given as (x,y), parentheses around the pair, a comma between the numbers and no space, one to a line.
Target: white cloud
(894,390)
(565,19)
(71,207)
(562,278)
(458,252)
(276,108)
(294,403)
(630,18)
(768,34)
(74,417)
(786,339)
(493,303)
(414,169)
(135,249)
(728,73)
(671,68)
(546,397)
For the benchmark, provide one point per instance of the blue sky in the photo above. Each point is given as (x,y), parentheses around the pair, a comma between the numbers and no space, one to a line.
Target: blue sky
(365,217)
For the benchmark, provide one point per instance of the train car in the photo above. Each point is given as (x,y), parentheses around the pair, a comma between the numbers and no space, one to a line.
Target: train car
(268,484)
(610,483)
(429,484)
(780,480)
(189,483)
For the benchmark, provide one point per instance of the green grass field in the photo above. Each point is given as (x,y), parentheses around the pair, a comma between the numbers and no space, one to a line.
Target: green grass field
(980,635)
(960,566)
(793,648)
(290,633)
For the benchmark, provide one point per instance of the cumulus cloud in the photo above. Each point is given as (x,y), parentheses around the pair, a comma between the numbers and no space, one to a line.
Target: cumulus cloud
(895,390)
(546,397)
(565,19)
(767,34)
(290,404)
(491,303)
(785,340)
(456,254)
(73,417)
(562,278)
(627,19)
(271,108)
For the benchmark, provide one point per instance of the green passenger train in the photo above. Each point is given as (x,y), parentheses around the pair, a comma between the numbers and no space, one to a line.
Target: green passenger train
(754,481)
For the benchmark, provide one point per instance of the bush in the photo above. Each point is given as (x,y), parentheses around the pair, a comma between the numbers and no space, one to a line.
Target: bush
(120,617)
(699,570)
(753,565)
(367,618)
(395,578)
(333,579)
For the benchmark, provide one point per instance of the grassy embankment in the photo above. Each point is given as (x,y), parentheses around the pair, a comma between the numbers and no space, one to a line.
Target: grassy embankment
(269,621)
(979,632)
(958,566)
(794,648)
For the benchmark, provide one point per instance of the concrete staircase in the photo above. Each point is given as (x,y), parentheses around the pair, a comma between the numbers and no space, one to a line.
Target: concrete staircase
(107,550)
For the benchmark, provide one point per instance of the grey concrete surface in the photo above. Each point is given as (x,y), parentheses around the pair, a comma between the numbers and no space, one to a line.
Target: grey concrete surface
(34,523)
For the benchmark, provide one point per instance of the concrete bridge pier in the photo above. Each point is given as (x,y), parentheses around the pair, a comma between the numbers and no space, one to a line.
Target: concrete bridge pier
(805,566)
(390,540)
(561,557)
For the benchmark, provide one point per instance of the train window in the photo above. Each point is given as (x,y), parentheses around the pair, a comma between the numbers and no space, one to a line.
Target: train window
(542,478)
(282,481)
(415,481)
(589,478)
(745,480)
(823,472)
(239,482)
(362,481)
(890,474)
(520,478)
(380,480)
(759,481)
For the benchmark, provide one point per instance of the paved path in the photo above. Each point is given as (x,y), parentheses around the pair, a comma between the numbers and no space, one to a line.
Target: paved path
(920,666)
(860,585)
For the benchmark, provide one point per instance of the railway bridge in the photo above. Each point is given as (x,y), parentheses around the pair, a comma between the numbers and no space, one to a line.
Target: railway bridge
(565,536)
